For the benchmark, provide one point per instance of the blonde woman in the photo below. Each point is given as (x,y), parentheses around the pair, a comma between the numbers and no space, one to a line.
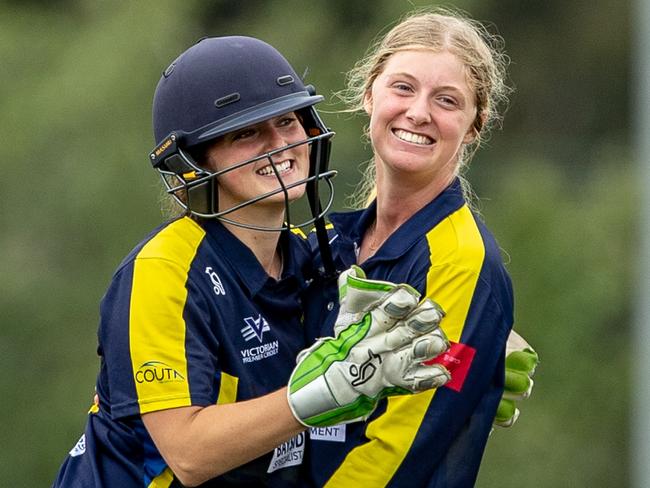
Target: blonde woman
(431,88)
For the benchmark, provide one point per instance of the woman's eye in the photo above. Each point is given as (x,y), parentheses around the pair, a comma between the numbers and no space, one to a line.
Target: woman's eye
(447,100)
(402,87)
(286,121)
(243,135)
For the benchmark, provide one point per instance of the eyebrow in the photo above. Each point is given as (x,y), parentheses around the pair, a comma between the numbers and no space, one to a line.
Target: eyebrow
(410,76)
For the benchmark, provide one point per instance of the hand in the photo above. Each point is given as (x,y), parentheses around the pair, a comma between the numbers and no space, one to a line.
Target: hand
(521,361)
(381,337)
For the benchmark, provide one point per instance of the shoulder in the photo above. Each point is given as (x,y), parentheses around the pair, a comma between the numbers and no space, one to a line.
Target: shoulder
(456,239)
(164,257)
(176,241)
(462,239)
(461,245)
(466,275)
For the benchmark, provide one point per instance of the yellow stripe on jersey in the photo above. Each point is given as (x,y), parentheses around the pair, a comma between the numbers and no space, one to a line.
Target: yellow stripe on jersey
(298,231)
(227,389)
(457,254)
(163,480)
(156,324)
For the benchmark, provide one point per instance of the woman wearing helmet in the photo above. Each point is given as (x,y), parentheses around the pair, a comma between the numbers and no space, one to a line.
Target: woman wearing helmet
(201,325)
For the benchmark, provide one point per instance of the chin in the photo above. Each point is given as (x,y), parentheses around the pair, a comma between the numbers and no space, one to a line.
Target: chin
(293,194)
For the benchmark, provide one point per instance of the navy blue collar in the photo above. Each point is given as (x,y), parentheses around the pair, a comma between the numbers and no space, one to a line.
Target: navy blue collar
(242,260)
(351,226)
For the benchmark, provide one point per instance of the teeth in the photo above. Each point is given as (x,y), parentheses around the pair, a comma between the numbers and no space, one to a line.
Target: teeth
(268,170)
(411,137)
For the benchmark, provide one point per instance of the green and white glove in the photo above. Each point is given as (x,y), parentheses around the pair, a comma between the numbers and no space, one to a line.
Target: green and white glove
(381,337)
(521,361)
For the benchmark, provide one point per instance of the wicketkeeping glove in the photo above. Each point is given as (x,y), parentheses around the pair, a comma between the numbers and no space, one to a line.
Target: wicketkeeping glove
(521,361)
(381,337)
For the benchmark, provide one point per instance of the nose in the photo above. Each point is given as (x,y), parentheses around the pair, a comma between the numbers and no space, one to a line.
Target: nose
(274,139)
(418,111)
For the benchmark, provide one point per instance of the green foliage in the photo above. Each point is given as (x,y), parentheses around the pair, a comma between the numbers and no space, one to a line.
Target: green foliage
(78,192)
(570,248)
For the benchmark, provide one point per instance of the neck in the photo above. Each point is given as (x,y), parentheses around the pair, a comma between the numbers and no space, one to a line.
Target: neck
(264,245)
(401,194)
(399,197)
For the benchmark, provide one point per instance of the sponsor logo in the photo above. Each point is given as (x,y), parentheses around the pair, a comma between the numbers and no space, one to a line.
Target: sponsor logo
(364,373)
(335,433)
(288,453)
(157,372)
(216,281)
(161,149)
(260,352)
(457,360)
(80,447)
(255,327)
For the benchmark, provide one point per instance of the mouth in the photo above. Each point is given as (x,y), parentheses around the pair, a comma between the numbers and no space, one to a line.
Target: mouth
(413,138)
(282,167)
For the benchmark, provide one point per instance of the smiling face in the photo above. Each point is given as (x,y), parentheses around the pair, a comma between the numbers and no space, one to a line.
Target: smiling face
(252,180)
(421,111)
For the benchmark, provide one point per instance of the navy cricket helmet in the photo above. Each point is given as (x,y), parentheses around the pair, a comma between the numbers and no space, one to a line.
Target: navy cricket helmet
(220,85)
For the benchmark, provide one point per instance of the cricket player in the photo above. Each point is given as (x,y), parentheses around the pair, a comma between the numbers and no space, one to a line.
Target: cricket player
(201,325)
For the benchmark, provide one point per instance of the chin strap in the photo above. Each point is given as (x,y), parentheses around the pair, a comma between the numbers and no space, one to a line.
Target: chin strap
(321,153)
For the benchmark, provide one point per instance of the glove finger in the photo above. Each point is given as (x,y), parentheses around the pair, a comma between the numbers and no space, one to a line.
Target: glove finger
(409,357)
(421,377)
(525,361)
(401,302)
(357,294)
(429,346)
(397,305)
(424,319)
(404,368)
(507,414)
(518,386)
(356,278)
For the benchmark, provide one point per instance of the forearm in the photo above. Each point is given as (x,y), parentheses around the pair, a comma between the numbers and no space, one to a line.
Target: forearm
(201,443)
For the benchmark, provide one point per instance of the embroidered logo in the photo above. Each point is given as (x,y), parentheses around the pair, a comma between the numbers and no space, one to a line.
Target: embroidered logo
(80,447)
(255,327)
(216,281)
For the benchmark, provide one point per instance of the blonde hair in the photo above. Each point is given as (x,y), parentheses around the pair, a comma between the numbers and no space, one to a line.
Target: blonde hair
(439,29)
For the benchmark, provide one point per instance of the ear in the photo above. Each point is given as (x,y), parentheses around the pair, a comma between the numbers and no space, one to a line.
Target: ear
(475,129)
(367,102)
(470,135)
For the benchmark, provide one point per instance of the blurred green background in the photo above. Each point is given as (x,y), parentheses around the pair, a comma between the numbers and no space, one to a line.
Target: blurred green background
(557,186)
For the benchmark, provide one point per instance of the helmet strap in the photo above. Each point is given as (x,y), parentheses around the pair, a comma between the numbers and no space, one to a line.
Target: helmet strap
(320,152)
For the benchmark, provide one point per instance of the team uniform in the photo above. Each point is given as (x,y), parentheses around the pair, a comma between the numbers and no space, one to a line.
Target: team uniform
(190,318)
(434,438)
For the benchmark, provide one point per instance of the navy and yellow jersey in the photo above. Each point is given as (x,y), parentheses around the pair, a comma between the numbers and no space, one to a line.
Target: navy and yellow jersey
(434,438)
(190,318)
